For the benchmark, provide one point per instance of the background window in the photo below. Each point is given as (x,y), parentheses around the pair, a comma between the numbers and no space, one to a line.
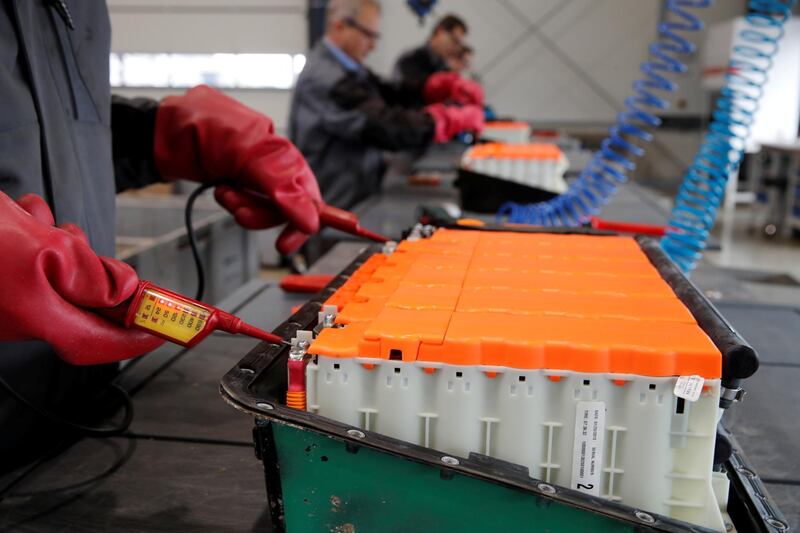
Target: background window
(225,71)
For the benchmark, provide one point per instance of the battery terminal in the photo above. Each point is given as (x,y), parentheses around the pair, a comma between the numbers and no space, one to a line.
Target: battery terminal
(296,368)
(389,248)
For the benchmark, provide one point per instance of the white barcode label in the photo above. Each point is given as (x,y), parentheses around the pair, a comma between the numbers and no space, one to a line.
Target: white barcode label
(587,460)
(689,387)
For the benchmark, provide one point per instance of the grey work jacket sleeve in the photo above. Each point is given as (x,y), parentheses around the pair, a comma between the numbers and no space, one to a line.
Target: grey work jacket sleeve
(133,125)
(346,124)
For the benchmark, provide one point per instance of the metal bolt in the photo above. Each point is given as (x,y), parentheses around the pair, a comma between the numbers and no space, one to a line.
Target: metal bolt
(296,353)
(452,461)
(327,321)
(264,405)
(548,489)
(389,248)
(644,517)
(728,526)
(747,472)
(777,524)
(356,433)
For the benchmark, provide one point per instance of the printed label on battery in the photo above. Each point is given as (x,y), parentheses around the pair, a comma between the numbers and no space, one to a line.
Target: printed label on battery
(689,387)
(587,460)
(172,317)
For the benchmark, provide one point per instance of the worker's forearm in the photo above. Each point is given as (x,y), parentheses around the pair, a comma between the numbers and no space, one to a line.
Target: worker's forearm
(133,123)
(398,129)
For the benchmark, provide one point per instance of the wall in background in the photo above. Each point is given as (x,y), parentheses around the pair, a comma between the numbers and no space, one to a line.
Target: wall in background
(212,26)
(544,60)
(548,60)
(554,60)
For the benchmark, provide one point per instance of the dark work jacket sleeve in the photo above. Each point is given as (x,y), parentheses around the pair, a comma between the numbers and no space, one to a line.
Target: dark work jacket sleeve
(133,124)
(388,124)
(412,71)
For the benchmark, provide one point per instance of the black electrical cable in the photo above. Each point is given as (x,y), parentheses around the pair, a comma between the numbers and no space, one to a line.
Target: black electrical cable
(127,403)
(30,470)
(98,432)
(198,261)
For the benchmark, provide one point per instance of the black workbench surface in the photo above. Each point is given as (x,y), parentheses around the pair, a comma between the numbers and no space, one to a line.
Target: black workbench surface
(188,462)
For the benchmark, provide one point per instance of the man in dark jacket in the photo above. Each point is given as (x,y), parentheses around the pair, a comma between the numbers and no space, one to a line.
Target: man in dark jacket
(414,67)
(343,117)
(61,163)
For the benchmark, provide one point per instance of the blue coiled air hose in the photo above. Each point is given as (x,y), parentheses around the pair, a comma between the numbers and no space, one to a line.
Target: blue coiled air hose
(609,166)
(703,188)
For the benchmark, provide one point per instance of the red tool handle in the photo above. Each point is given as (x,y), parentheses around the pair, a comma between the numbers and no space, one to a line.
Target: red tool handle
(628,227)
(157,310)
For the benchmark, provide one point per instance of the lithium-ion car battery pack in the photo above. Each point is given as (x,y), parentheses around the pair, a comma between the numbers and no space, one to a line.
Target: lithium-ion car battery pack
(583,363)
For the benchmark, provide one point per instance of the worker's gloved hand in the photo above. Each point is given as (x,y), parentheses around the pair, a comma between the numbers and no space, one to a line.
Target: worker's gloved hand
(449,121)
(51,279)
(468,92)
(205,136)
(441,87)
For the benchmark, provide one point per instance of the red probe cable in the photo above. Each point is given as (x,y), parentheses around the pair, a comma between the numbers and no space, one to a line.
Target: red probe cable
(333,217)
(628,227)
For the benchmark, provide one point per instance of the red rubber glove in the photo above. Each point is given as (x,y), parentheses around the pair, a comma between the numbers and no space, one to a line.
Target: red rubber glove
(50,279)
(449,121)
(468,92)
(205,136)
(443,86)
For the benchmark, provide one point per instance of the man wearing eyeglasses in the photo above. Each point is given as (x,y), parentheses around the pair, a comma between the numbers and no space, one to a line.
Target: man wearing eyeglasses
(344,117)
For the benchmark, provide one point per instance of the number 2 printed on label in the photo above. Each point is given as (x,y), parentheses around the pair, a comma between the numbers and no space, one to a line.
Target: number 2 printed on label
(587,458)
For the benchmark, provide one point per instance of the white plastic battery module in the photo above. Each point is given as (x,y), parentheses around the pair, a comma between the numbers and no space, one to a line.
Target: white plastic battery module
(533,164)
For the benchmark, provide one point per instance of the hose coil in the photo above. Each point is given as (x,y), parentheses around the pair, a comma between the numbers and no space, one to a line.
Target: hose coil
(609,166)
(704,183)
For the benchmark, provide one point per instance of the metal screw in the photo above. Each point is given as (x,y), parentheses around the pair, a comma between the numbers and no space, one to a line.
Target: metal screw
(327,321)
(728,526)
(264,405)
(747,472)
(452,461)
(644,517)
(777,524)
(548,489)
(356,433)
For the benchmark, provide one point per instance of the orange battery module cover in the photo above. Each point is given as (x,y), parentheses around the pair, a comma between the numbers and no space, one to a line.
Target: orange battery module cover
(581,303)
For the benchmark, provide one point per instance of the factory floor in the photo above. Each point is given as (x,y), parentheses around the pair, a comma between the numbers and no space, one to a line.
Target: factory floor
(767,267)
(774,261)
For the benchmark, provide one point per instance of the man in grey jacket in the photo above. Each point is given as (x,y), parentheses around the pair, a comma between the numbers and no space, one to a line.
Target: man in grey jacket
(61,163)
(343,117)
